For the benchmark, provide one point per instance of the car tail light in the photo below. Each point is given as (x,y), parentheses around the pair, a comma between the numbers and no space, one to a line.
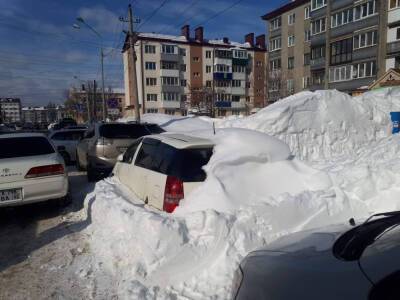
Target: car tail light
(173,193)
(42,171)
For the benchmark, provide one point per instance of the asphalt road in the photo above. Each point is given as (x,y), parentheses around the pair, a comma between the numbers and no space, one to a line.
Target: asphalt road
(39,241)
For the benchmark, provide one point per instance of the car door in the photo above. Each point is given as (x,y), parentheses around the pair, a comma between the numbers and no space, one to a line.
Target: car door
(84,145)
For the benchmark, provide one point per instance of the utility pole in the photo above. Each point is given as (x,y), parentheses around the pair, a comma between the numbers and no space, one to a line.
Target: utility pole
(132,42)
(94,100)
(102,85)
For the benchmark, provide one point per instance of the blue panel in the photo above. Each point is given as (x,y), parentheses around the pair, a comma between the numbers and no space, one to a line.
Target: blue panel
(223,76)
(223,104)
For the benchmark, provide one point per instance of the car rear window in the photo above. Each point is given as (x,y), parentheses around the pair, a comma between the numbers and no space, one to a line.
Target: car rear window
(123,131)
(185,164)
(24,146)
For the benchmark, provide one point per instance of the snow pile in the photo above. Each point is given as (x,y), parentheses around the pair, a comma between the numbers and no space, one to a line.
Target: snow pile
(325,124)
(255,192)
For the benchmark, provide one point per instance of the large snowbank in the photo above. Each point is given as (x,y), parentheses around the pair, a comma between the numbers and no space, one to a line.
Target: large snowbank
(255,192)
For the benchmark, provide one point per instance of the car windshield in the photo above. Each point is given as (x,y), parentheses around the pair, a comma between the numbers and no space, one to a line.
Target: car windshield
(123,131)
(24,146)
(351,245)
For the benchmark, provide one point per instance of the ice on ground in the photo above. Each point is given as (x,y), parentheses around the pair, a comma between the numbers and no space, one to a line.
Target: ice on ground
(257,190)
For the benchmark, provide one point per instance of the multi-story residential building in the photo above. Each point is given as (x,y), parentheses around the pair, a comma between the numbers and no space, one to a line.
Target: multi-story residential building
(10,110)
(42,114)
(351,44)
(180,74)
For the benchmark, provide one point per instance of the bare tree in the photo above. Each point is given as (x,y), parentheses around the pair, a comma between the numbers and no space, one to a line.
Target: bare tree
(201,98)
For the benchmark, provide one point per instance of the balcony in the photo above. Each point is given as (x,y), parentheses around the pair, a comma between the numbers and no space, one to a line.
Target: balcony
(169,73)
(222,76)
(318,63)
(240,61)
(393,48)
(223,104)
(170,57)
(393,16)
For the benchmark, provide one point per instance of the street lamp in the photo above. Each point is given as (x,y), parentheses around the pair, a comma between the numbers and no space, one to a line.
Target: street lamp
(77,26)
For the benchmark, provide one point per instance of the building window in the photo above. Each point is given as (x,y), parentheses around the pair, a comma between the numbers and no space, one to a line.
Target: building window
(196,74)
(150,65)
(276,23)
(183,67)
(398,32)
(151,97)
(290,40)
(275,44)
(168,49)
(223,97)
(208,69)
(149,49)
(222,68)
(318,78)
(318,52)
(291,63)
(169,80)
(208,54)
(290,86)
(275,64)
(307,12)
(236,83)
(259,63)
(170,96)
(235,98)
(291,19)
(208,83)
(316,4)
(152,110)
(318,26)
(151,81)
(182,51)
(366,39)
(183,82)
(363,70)
(222,83)
(240,54)
(307,35)
(307,57)
(169,65)
(248,85)
(341,51)
(342,18)
(196,59)
(306,82)
(365,10)
(342,73)
(238,69)
(394,4)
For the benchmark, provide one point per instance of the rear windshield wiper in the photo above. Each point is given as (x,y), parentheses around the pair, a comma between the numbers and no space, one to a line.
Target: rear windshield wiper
(352,244)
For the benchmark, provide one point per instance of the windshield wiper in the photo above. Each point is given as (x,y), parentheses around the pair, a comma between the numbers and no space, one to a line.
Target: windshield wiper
(352,244)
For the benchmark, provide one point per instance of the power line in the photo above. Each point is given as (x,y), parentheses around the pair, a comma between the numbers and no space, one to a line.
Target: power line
(219,13)
(181,13)
(152,14)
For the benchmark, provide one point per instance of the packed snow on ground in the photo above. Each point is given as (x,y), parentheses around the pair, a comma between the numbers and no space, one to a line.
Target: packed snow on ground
(259,187)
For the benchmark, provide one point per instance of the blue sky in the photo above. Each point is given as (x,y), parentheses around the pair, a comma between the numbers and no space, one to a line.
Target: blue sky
(42,55)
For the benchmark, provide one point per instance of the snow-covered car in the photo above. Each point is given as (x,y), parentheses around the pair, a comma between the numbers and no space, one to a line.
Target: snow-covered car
(66,141)
(31,170)
(162,169)
(334,263)
(98,150)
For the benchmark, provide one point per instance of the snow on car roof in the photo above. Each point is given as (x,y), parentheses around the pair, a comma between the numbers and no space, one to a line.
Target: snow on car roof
(182,141)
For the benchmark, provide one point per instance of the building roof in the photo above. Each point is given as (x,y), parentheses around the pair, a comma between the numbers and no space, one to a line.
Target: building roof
(10,100)
(180,39)
(285,8)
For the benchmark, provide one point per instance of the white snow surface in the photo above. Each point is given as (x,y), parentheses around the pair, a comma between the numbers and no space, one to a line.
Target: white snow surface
(311,160)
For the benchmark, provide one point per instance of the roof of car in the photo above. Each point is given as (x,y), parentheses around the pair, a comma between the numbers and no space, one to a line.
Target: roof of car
(182,141)
(22,134)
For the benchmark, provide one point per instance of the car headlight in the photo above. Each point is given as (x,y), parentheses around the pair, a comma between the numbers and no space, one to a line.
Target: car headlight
(237,281)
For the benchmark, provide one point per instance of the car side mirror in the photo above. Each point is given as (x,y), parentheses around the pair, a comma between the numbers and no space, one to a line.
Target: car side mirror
(120,158)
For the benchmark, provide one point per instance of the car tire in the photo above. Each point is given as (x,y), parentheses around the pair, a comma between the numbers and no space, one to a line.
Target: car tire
(91,175)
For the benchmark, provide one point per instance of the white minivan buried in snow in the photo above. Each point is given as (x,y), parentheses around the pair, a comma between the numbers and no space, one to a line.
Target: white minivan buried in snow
(162,169)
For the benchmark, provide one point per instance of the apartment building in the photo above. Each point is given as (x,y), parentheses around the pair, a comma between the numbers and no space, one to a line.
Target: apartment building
(184,74)
(10,110)
(351,43)
(42,114)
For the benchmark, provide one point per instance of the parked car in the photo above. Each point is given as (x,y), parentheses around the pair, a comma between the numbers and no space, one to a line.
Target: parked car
(63,123)
(31,170)
(4,129)
(335,263)
(97,152)
(162,169)
(66,141)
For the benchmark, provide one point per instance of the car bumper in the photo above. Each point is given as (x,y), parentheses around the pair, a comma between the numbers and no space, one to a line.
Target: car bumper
(101,164)
(37,190)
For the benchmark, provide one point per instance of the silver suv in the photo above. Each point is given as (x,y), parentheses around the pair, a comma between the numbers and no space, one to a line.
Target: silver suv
(102,143)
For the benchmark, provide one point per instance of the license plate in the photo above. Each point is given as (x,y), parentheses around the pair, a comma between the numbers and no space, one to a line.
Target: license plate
(10,195)
(122,149)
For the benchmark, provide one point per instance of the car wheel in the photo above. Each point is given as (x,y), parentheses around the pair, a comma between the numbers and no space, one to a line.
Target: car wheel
(91,175)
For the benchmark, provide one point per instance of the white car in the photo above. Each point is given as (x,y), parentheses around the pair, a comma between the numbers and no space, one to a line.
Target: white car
(66,141)
(31,170)
(162,169)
